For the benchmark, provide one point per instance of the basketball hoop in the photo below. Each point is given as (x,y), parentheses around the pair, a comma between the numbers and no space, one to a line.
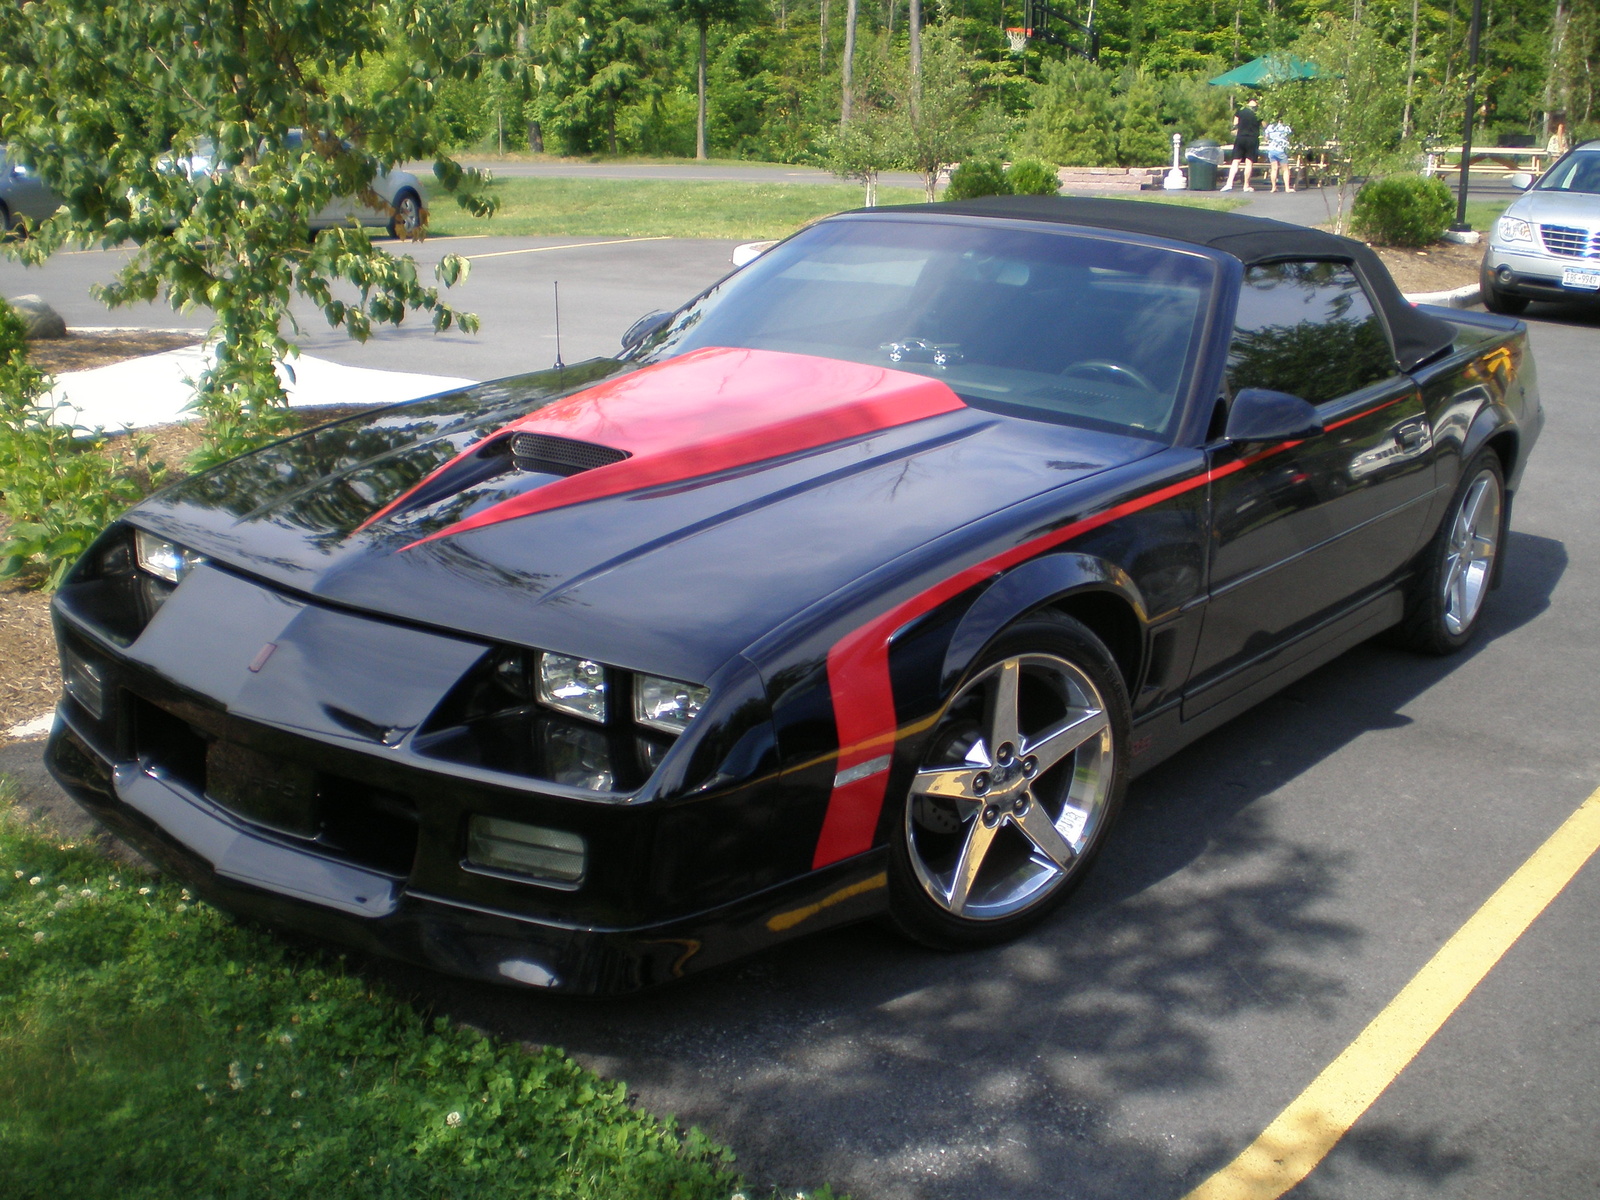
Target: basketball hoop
(1018,39)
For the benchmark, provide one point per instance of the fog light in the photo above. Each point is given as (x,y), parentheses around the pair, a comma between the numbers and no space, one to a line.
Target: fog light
(162,558)
(1503,273)
(85,684)
(573,685)
(535,851)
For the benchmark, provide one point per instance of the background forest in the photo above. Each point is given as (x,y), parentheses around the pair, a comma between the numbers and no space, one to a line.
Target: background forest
(621,76)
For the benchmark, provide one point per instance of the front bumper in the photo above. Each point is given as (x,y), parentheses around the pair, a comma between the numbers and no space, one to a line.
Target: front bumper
(1535,274)
(247,870)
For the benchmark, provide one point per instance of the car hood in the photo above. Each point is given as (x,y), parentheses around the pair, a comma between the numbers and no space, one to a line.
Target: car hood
(734,488)
(1556,208)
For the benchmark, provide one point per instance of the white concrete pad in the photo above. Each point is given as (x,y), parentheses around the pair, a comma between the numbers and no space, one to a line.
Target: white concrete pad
(158,388)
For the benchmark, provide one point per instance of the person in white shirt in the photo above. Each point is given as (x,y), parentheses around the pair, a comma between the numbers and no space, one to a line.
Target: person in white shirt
(1277,136)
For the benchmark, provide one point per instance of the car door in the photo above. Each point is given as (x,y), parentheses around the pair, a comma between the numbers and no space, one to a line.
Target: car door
(25,193)
(1303,532)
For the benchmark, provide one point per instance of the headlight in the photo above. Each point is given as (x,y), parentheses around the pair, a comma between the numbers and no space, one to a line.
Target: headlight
(666,704)
(572,685)
(1514,229)
(162,558)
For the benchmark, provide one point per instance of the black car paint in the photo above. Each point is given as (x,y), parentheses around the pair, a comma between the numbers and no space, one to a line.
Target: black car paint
(714,854)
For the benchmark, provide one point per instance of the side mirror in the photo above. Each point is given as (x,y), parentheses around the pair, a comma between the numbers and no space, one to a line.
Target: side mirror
(644,328)
(1521,180)
(1262,415)
(749,252)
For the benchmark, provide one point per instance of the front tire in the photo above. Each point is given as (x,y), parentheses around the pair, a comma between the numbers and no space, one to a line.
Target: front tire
(1021,781)
(1495,300)
(1458,566)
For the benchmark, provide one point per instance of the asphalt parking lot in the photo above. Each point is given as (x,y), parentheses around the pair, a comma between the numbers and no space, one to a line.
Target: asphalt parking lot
(1268,892)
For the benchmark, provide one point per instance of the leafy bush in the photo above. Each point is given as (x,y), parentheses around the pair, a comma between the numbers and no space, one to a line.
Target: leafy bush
(1030,177)
(60,483)
(148,1046)
(1403,210)
(977,177)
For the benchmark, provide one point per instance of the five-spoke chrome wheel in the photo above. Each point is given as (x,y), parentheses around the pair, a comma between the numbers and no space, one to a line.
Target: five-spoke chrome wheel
(1473,538)
(1018,783)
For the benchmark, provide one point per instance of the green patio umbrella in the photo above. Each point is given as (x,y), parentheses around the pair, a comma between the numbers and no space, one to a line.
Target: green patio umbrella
(1267,70)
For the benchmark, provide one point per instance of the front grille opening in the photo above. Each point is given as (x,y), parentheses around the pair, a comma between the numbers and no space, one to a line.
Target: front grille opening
(1566,240)
(560,456)
(367,825)
(168,743)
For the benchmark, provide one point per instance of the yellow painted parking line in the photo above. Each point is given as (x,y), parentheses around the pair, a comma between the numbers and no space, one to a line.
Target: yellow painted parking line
(573,246)
(1302,1134)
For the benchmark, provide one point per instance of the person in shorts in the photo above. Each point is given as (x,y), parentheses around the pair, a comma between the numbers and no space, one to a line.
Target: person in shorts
(1246,143)
(1277,135)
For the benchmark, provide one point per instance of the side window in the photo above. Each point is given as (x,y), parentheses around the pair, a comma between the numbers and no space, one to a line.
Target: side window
(1307,328)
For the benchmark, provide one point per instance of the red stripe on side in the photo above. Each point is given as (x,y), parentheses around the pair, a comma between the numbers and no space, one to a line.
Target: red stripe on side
(858,664)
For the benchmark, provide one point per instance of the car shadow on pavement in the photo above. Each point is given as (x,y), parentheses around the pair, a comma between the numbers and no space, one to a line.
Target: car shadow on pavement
(1043,1068)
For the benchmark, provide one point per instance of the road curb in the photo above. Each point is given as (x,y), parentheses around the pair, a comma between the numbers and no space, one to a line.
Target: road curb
(1461,297)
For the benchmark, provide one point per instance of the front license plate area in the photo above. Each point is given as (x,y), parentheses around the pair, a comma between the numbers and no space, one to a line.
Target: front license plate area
(1584,278)
(269,791)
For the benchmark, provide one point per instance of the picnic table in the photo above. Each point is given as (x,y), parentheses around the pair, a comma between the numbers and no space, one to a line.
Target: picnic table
(1506,160)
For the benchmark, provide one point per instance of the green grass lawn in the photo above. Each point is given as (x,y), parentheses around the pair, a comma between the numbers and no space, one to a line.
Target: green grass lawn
(150,1048)
(654,208)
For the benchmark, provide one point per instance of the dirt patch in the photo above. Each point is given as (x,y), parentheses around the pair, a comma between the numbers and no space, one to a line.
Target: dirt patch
(1442,267)
(83,349)
(30,681)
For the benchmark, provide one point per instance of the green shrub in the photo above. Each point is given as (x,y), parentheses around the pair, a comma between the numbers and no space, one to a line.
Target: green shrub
(977,177)
(1403,210)
(1030,177)
(60,484)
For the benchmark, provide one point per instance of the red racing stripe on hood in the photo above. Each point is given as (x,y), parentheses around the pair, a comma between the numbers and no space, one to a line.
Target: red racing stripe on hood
(714,410)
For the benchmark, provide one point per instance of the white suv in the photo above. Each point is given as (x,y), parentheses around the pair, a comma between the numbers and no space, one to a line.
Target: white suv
(1546,246)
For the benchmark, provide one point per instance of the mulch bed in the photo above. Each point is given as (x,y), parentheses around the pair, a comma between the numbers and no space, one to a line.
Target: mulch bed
(82,349)
(1442,267)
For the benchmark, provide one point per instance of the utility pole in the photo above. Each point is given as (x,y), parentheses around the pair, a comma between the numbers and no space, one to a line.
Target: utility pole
(1461,225)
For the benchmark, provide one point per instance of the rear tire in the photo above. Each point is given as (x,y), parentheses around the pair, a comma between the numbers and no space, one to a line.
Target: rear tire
(1022,778)
(1458,566)
(407,220)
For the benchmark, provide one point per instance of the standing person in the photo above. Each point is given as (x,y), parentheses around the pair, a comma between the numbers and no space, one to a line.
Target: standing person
(1559,142)
(1246,143)
(1278,134)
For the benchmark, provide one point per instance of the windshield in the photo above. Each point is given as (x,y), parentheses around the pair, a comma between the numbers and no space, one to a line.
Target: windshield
(1044,323)
(1577,172)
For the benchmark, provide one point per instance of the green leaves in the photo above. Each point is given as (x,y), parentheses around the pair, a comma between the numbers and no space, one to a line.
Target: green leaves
(177,128)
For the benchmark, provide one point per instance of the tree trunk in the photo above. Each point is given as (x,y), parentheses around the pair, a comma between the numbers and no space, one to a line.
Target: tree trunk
(822,40)
(1556,91)
(1411,75)
(914,31)
(700,114)
(847,68)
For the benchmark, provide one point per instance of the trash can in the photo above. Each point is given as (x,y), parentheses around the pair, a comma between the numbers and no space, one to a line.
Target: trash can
(1203,157)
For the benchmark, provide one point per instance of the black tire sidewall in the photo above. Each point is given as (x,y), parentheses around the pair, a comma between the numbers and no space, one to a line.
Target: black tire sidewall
(1424,629)
(911,910)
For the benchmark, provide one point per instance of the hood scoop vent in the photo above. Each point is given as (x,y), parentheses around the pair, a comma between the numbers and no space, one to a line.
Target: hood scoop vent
(551,455)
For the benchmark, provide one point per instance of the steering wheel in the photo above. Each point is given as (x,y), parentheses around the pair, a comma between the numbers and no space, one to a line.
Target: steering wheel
(1110,371)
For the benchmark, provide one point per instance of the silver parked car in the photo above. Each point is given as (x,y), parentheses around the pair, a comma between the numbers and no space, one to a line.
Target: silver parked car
(23,195)
(1546,246)
(404,214)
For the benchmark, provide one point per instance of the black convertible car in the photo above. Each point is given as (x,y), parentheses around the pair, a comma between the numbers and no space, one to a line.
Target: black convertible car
(861,584)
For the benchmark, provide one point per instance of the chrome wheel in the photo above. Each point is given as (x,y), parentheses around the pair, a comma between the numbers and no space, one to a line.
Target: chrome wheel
(407,219)
(1469,553)
(1016,788)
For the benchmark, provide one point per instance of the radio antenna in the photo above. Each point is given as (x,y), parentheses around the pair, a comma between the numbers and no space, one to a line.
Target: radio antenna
(560,366)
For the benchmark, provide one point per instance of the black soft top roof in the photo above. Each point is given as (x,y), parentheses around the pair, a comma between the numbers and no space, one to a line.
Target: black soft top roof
(1417,336)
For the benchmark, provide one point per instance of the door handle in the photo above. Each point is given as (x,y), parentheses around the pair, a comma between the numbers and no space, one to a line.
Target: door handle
(1412,434)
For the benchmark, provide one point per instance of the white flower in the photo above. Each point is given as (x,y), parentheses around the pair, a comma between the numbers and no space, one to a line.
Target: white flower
(181,908)
(144,891)
(296,1094)
(86,892)
(286,1038)
(17,874)
(452,1119)
(294,1124)
(35,881)
(38,937)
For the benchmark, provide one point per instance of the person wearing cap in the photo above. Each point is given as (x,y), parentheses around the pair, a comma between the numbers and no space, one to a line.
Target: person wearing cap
(1246,143)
